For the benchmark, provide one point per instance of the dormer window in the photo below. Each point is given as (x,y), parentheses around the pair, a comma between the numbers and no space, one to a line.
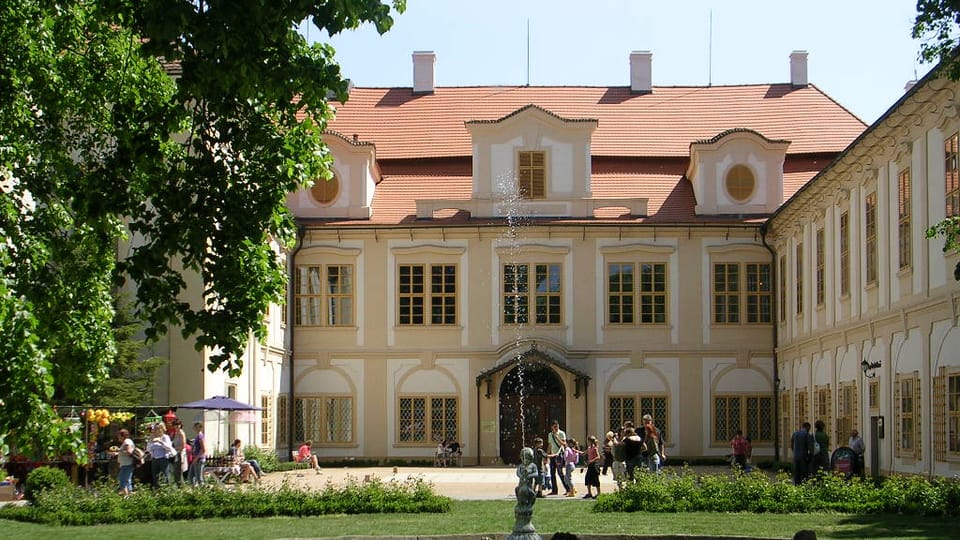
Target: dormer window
(740,183)
(325,191)
(531,175)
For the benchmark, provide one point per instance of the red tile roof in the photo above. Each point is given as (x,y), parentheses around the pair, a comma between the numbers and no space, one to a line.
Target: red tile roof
(663,123)
(640,148)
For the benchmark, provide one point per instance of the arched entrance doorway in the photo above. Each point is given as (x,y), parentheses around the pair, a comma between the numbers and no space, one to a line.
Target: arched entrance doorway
(543,400)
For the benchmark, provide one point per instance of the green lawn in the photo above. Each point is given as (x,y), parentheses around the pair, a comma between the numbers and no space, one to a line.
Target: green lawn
(474,517)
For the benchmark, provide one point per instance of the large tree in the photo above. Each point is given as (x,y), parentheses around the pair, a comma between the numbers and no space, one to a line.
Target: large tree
(937,25)
(141,139)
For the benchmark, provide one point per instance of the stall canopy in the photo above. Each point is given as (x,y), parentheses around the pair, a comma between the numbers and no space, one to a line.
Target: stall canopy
(219,403)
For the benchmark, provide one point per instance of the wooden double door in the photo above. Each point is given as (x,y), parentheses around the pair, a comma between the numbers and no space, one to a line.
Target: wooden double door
(531,397)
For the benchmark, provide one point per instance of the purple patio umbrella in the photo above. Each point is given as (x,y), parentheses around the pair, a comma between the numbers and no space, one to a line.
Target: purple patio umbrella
(219,403)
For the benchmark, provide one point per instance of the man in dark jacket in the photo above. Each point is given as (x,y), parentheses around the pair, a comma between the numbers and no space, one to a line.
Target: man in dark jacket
(802,443)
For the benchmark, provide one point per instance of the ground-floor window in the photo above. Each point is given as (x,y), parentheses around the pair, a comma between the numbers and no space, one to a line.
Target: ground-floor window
(428,420)
(907,407)
(283,417)
(946,415)
(632,407)
(847,418)
(266,420)
(324,419)
(751,414)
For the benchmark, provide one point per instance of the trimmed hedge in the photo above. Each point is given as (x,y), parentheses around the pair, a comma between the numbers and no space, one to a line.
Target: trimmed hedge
(686,491)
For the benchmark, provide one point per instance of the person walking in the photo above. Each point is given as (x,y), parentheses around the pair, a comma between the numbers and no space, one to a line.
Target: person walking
(821,459)
(199,451)
(556,441)
(178,464)
(632,450)
(608,452)
(161,452)
(592,477)
(126,462)
(571,456)
(801,443)
(740,448)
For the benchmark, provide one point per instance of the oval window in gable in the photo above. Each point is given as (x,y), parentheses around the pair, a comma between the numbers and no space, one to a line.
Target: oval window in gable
(325,191)
(740,183)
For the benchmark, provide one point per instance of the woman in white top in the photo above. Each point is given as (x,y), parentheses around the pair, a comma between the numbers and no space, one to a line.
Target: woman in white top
(161,450)
(125,459)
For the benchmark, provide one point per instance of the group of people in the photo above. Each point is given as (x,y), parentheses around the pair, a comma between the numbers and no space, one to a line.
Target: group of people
(175,459)
(623,453)
(811,451)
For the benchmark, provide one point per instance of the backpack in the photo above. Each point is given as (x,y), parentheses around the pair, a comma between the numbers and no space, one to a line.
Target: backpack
(137,455)
(816,447)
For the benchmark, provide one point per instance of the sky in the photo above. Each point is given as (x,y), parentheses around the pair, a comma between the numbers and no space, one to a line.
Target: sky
(860,52)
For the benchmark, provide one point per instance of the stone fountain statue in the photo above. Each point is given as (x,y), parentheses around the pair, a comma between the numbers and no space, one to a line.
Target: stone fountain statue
(526,497)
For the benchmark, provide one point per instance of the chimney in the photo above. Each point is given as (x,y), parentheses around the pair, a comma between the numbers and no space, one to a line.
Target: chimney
(798,69)
(423,71)
(909,86)
(641,72)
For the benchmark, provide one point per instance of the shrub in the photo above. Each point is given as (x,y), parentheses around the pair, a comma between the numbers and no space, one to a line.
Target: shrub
(42,479)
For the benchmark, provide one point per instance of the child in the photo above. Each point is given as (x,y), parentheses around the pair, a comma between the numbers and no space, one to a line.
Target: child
(592,478)
(540,460)
(570,458)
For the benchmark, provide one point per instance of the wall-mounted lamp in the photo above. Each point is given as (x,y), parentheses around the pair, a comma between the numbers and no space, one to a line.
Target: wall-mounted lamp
(869,368)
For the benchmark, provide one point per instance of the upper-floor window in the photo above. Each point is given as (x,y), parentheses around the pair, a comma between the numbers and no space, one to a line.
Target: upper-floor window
(903,205)
(740,183)
(636,293)
(427,294)
(741,292)
(799,278)
(821,268)
(532,175)
(950,153)
(844,253)
(532,286)
(870,236)
(783,288)
(324,295)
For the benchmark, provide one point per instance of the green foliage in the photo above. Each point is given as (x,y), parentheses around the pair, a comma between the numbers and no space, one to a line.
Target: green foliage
(43,479)
(266,458)
(105,156)
(75,506)
(949,229)
(685,491)
(936,27)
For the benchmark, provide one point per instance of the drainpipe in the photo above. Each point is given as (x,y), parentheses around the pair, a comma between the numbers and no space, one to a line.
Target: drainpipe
(774,296)
(291,328)
(478,423)
(586,417)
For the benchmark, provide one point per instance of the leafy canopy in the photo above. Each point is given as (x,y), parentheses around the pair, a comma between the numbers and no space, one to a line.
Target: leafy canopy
(112,170)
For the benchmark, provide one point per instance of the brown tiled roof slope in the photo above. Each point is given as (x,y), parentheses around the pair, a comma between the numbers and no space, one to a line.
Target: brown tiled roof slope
(640,148)
(663,123)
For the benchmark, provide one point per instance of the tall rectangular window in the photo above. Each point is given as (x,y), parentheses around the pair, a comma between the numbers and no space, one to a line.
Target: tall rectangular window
(953,413)
(643,285)
(283,420)
(903,214)
(324,419)
(751,414)
(324,295)
(847,417)
(952,184)
(620,291)
(907,400)
(420,292)
(821,268)
(870,236)
(532,175)
(541,287)
(783,288)
(266,420)
(427,420)
(844,253)
(736,286)
(799,278)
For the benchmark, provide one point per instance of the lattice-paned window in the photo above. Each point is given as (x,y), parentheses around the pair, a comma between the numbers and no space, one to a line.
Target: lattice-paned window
(783,288)
(420,292)
(847,411)
(949,425)
(542,287)
(802,409)
(873,396)
(952,176)
(266,420)
(798,277)
(821,272)
(844,253)
(905,249)
(907,402)
(426,420)
(823,406)
(941,413)
(870,237)
(326,420)
(532,175)
(283,420)
(623,408)
(324,295)
(620,294)
(787,425)
(751,414)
